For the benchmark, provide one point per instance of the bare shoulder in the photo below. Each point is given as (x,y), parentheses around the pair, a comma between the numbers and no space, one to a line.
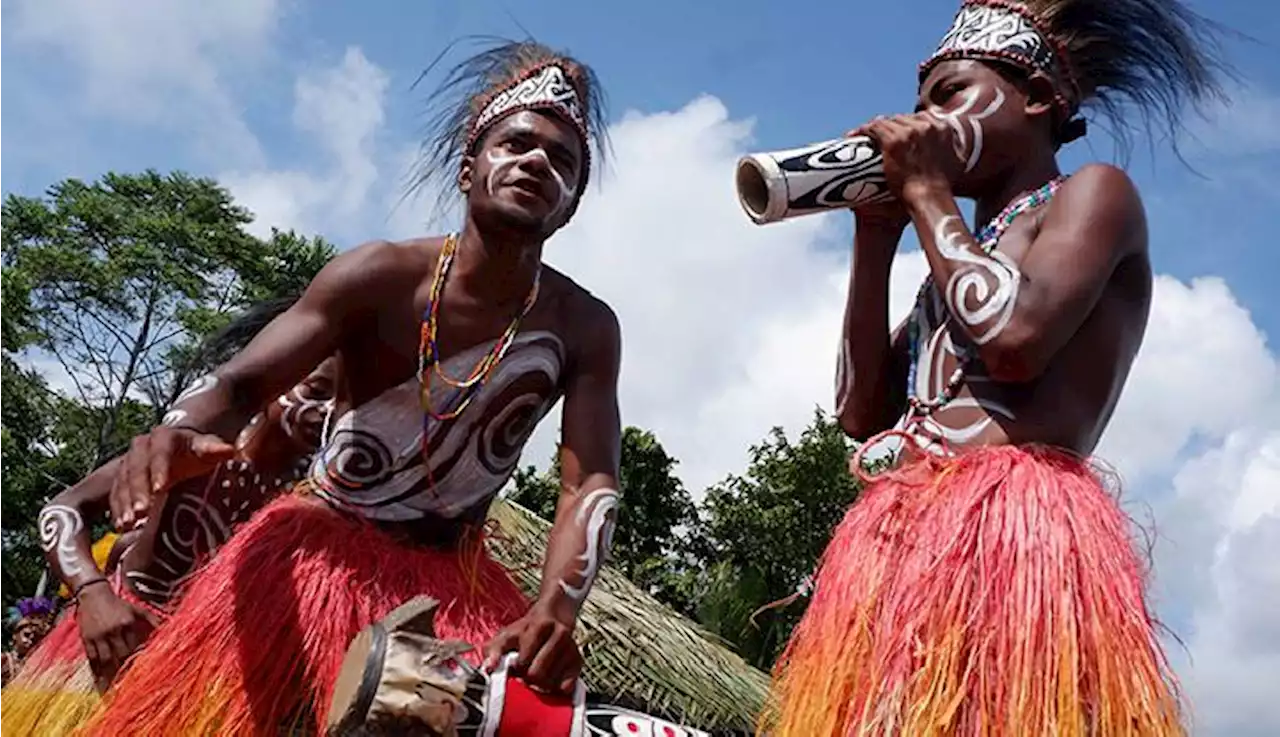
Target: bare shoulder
(1101,205)
(589,323)
(375,265)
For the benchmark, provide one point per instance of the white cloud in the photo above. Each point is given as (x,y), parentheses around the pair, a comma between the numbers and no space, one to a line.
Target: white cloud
(342,109)
(1176,390)
(157,61)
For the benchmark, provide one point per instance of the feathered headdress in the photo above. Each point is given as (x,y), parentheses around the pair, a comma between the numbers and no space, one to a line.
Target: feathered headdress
(34,609)
(504,78)
(1149,56)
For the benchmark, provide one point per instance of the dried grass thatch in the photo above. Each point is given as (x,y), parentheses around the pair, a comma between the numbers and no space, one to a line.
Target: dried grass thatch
(639,653)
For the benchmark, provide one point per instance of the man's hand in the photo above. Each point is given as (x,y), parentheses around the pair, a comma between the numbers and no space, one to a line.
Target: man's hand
(548,658)
(154,463)
(111,628)
(887,217)
(919,152)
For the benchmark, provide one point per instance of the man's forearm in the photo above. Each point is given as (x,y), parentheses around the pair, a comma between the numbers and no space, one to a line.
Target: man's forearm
(580,543)
(64,537)
(213,404)
(980,290)
(64,534)
(863,371)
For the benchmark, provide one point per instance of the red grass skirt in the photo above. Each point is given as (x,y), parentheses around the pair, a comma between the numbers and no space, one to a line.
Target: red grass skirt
(999,592)
(257,640)
(54,691)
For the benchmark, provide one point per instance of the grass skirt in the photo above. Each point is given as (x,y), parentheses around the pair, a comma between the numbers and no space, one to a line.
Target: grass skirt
(999,592)
(256,643)
(54,691)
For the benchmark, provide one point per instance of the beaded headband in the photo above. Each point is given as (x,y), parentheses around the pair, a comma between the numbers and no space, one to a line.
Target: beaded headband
(997,30)
(544,87)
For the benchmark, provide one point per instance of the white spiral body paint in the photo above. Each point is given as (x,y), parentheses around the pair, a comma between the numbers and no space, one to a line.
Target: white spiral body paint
(59,526)
(961,115)
(201,385)
(990,279)
(593,513)
(946,429)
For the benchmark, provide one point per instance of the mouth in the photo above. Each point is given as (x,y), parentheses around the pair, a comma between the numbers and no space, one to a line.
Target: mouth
(531,188)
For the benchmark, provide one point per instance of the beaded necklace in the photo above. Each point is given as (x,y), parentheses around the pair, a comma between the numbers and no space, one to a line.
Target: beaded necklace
(429,350)
(987,237)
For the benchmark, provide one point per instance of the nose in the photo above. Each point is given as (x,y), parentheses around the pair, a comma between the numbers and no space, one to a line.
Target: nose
(535,161)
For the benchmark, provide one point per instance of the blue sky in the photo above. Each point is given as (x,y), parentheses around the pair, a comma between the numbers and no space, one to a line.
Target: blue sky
(304,111)
(802,76)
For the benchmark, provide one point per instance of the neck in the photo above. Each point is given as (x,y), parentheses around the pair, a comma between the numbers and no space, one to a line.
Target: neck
(1025,176)
(497,268)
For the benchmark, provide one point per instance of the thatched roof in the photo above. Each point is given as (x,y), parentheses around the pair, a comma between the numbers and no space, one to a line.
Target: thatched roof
(639,653)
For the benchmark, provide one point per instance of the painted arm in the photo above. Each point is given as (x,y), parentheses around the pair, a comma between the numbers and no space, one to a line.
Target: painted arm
(590,453)
(197,433)
(547,656)
(65,537)
(110,628)
(1019,315)
(872,367)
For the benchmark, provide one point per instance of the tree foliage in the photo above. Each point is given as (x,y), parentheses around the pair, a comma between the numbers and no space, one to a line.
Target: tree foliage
(120,278)
(767,529)
(108,288)
(655,515)
(751,543)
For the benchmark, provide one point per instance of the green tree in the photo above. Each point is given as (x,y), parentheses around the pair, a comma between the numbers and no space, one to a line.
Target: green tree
(766,530)
(115,283)
(655,515)
(123,276)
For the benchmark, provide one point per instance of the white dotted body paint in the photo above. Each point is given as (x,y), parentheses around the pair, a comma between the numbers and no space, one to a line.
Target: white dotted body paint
(593,514)
(991,281)
(958,118)
(59,526)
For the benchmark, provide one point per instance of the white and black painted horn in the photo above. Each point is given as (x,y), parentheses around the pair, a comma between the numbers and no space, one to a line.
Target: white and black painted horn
(839,174)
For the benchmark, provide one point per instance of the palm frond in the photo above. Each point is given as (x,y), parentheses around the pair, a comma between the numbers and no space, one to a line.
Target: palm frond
(639,653)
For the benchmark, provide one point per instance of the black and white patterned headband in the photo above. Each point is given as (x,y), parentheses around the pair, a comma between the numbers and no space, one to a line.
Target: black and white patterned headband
(996,30)
(545,87)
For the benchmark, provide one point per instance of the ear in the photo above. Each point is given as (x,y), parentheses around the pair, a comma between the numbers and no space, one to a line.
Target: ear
(1040,96)
(465,173)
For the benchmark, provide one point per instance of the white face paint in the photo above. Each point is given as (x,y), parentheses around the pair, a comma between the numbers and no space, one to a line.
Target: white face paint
(59,526)
(501,164)
(990,282)
(593,514)
(962,118)
(296,408)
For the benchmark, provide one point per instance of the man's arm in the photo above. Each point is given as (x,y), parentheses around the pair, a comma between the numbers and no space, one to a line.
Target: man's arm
(219,404)
(1019,315)
(64,535)
(547,656)
(590,453)
(287,349)
(872,364)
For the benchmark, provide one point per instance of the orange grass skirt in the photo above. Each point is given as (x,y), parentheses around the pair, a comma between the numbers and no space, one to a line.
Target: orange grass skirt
(55,691)
(997,592)
(257,640)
